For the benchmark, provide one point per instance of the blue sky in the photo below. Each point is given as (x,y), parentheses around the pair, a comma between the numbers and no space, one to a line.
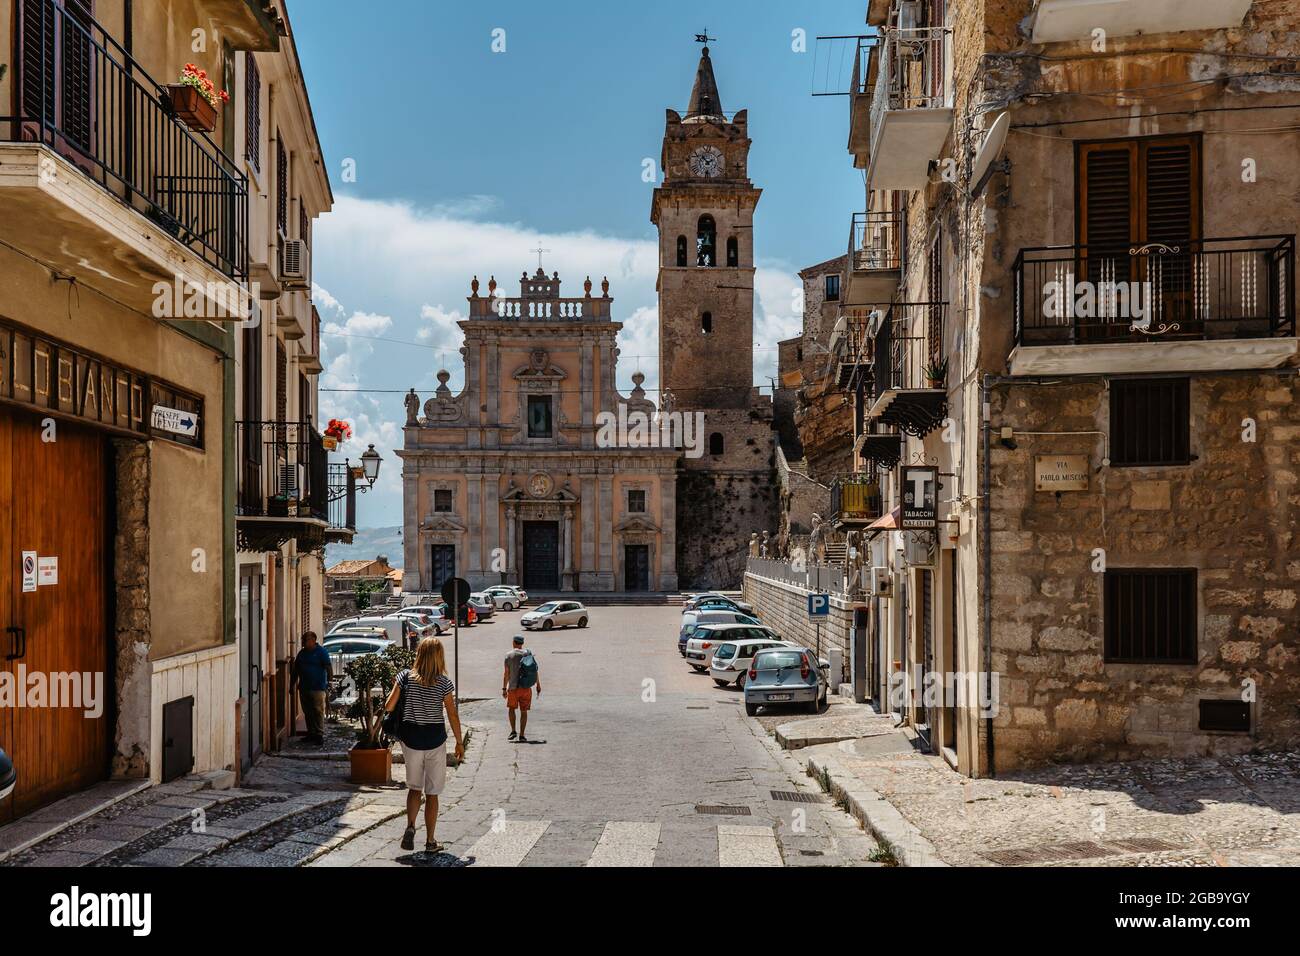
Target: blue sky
(467,158)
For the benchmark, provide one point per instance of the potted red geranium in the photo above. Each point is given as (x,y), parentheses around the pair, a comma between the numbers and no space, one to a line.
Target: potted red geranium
(196,99)
(336,431)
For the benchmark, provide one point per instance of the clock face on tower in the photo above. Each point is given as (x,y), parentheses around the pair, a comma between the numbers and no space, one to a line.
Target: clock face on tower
(707,161)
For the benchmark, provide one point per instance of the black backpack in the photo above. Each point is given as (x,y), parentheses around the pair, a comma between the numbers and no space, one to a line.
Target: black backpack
(392,723)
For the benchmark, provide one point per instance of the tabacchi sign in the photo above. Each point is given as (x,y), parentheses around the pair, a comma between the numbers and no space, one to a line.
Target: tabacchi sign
(920,486)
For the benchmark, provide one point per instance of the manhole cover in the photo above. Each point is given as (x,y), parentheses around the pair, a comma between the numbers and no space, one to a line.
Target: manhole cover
(811,853)
(722,811)
(795,796)
(566,652)
(692,707)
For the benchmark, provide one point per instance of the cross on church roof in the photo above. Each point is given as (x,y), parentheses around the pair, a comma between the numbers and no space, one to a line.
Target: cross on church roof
(539,252)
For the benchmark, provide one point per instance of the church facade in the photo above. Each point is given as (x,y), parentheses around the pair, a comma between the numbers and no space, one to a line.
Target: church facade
(518,479)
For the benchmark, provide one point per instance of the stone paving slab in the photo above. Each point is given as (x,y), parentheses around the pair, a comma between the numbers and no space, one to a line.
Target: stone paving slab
(65,813)
(1235,811)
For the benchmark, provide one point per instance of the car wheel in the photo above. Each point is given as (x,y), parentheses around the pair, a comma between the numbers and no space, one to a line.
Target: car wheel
(751,709)
(720,683)
(547,625)
(740,682)
(814,707)
(698,668)
(507,606)
(582,622)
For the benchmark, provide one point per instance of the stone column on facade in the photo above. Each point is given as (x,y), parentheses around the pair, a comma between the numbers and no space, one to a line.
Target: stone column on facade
(411,577)
(668,524)
(474,523)
(493,394)
(587,562)
(510,544)
(587,350)
(492,525)
(606,575)
(568,548)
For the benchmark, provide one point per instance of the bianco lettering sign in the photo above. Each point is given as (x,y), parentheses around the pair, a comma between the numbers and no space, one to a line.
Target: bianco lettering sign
(1061,472)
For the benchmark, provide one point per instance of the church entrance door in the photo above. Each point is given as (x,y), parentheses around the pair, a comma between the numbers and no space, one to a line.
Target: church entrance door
(542,555)
(636,567)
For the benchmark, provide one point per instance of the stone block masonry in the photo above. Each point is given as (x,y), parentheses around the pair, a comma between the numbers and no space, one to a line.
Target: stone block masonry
(784,608)
(716,513)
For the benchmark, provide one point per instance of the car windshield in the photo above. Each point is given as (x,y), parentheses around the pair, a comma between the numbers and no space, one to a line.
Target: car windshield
(546,608)
(770,660)
(726,652)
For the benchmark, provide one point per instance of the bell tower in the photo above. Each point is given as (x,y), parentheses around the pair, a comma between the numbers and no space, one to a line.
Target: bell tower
(704,211)
(705,215)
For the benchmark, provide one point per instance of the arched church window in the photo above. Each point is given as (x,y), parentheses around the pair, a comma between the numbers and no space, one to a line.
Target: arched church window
(715,443)
(681,250)
(706,323)
(733,252)
(706,242)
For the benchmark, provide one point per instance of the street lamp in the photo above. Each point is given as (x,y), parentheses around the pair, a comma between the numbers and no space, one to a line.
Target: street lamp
(370,462)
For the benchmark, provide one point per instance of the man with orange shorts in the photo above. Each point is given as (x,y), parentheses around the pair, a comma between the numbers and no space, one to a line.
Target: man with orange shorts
(519,698)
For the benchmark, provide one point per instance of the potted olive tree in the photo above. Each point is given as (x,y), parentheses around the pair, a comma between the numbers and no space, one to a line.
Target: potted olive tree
(374,676)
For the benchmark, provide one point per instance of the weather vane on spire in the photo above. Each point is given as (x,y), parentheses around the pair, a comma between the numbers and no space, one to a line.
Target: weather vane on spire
(704,37)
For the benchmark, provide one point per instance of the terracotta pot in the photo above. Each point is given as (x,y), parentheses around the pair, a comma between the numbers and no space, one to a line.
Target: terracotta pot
(192,109)
(374,767)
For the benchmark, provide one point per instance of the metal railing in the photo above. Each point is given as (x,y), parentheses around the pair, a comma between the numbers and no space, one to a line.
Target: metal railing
(908,346)
(810,577)
(76,90)
(1232,288)
(911,74)
(282,471)
(342,497)
(856,497)
(874,241)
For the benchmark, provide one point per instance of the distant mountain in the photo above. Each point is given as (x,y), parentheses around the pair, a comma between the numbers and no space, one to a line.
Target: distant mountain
(368,543)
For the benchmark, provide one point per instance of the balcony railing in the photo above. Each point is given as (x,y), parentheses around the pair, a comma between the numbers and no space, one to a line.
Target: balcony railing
(1201,289)
(79,92)
(282,471)
(342,499)
(908,347)
(874,241)
(911,74)
(577,309)
(856,498)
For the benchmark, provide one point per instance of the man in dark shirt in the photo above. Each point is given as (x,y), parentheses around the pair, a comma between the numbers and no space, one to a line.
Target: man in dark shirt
(311,677)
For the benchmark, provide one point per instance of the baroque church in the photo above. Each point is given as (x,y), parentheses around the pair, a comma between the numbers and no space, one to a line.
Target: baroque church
(513,480)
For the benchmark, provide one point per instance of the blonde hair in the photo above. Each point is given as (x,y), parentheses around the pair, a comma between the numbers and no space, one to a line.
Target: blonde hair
(430,661)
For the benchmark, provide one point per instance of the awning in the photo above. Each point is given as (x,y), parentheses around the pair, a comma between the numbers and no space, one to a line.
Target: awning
(889,522)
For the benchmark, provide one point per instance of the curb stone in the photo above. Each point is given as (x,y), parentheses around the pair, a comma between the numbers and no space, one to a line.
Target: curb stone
(894,831)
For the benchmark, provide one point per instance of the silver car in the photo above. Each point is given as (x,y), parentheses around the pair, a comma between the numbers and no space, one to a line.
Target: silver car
(507,597)
(555,614)
(786,675)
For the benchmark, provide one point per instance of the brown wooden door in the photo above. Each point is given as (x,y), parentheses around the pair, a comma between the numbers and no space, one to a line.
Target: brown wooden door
(54,501)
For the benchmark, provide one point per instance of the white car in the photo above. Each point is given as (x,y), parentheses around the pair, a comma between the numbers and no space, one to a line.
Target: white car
(731,659)
(397,628)
(555,614)
(430,617)
(346,646)
(506,597)
(706,639)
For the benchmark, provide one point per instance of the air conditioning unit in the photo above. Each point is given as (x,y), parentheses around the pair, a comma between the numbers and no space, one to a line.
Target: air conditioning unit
(295,263)
(878,580)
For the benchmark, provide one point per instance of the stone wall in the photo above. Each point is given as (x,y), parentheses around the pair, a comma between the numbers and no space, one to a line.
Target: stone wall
(1233,513)
(717,513)
(132,634)
(784,608)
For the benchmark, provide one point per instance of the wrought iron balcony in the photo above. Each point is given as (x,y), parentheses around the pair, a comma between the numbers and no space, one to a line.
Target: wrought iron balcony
(860,90)
(1186,305)
(874,257)
(78,92)
(856,499)
(909,370)
(282,486)
(910,115)
(342,503)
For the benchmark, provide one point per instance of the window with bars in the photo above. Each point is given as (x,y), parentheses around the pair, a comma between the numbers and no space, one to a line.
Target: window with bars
(1150,615)
(1150,422)
(306,604)
(281,185)
(934,295)
(442,500)
(304,223)
(252,111)
(636,502)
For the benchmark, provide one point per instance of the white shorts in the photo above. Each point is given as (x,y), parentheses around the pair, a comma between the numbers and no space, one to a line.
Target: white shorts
(426,770)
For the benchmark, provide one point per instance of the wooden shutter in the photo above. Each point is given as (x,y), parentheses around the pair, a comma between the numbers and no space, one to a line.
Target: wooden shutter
(1135,191)
(1169,181)
(281,185)
(252,111)
(281,386)
(934,294)
(76,93)
(252,373)
(1108,176)
(38,60)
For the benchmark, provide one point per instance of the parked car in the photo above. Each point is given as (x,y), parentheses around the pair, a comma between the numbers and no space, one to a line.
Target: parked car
(347,645)
(731,659)
(555,614)
(435,614)
(483,605)
(507,597)
(691,619)
(714,598)
(786,675)
(397,628)
(468,616)
(702,645)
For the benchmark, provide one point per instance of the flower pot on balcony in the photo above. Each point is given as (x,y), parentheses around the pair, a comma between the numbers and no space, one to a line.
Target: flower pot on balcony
(192,108)
(372,766)
(330,442)
(277,506)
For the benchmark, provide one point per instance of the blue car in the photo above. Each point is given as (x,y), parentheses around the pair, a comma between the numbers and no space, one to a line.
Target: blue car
(786,675)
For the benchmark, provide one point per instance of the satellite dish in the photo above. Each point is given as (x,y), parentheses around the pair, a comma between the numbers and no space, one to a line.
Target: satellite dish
(837,333)
(988,152)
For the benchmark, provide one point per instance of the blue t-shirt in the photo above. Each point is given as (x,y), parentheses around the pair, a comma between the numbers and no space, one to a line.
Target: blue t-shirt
(313,668)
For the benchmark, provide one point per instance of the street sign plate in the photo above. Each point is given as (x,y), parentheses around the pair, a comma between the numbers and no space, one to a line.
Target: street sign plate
(819,605)
(175,421)
(456,592)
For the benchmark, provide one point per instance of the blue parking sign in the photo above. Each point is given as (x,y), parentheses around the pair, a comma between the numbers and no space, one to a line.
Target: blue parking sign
(819,605)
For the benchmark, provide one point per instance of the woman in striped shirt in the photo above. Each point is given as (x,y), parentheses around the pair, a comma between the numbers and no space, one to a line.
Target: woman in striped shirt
(425,692)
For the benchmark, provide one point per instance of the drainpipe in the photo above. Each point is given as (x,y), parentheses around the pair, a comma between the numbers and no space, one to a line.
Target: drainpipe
(986,544)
